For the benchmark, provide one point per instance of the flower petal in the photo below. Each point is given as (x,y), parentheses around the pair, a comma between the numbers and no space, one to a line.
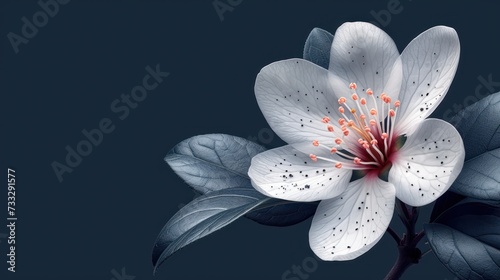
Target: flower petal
(288,174)
(364,54)
(428,163)
(294,96)
(429,65)
(349,225)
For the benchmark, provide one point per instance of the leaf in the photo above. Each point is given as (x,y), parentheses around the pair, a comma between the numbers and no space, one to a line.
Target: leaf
(444,202)
(466,239)
(284,215)
(480,177)
(213,161)
(479,126)
(219,161)
(317,47)
(203,216)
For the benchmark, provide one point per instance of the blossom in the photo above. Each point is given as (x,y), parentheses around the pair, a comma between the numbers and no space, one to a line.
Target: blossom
(356,116)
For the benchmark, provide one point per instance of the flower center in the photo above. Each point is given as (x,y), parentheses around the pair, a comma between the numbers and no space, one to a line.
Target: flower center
(366,138)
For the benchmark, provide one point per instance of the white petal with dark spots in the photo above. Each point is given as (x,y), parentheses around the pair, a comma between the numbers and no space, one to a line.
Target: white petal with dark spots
(349,225)
(294,95)
(364,54)
(428,163)
(289,174)
(429,65)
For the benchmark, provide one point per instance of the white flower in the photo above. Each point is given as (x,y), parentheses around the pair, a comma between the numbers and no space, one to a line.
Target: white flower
(350,117)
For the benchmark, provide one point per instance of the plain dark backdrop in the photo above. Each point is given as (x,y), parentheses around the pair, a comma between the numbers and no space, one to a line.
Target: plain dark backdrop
(106,214)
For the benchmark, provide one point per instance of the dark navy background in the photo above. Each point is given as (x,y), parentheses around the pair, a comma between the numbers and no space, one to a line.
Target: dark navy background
(106,214)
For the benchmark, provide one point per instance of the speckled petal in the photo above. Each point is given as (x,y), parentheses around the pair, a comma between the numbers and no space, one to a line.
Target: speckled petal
(289,174)
(349,225)
(428,163)
(294,96)
(429,65)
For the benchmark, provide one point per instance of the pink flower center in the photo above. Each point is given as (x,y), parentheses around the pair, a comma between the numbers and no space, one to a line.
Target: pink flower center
(366,139)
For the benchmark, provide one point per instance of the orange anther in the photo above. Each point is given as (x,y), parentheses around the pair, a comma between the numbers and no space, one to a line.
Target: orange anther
(313,157)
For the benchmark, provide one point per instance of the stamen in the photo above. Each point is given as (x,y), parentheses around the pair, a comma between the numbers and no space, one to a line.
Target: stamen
(369,132)
(365,145)
(375,147)
(393,120)
(313,157)
(373,156)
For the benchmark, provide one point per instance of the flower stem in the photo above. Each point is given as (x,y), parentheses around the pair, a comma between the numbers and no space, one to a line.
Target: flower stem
(394,235)
(409,254)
